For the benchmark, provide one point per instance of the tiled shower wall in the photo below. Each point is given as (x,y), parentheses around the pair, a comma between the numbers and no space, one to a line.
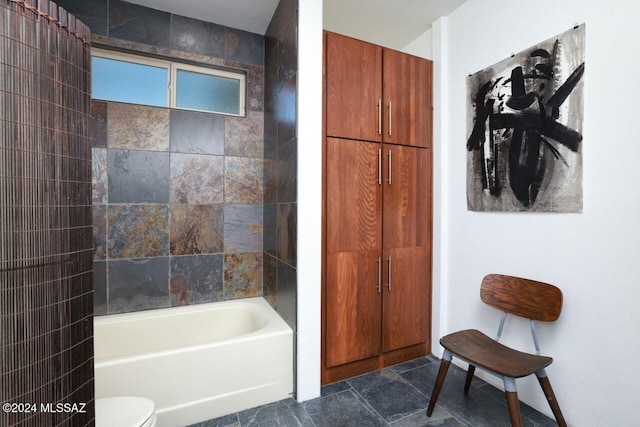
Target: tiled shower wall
(178,195)
(280,158)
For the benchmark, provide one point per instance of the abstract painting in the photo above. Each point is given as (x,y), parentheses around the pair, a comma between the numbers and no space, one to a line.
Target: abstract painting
(524,146)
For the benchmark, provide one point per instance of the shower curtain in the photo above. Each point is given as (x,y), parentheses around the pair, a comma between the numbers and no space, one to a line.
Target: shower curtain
(46,299)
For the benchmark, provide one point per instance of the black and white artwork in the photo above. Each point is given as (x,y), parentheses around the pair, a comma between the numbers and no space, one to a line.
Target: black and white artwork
(524,147)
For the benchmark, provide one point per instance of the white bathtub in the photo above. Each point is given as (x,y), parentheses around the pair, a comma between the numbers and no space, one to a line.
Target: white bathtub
(196,362)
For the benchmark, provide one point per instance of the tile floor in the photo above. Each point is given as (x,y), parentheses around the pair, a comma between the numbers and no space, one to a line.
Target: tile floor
(396,396)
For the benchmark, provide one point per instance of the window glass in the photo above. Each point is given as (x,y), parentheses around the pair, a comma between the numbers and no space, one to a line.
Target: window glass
(206,92)
(123,81)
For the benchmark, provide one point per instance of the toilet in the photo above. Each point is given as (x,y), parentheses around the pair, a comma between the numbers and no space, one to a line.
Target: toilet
(125,411)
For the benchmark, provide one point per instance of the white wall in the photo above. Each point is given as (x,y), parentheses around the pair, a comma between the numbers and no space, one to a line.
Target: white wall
(309,196)
(594,256)
(421,46)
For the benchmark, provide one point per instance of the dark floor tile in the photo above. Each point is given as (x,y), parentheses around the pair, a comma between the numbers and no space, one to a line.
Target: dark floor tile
(334,388)
(343,409)
(389,394)
(226,421)
(410,364)
(440,417)
(286,412)
(526,411)
(477,408)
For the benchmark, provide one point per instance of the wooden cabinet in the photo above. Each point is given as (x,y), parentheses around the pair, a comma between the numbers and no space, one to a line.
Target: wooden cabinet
(377,94)
(377,206)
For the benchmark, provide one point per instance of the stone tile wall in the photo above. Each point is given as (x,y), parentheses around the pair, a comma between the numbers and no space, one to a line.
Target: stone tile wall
(177,195)
(280,162)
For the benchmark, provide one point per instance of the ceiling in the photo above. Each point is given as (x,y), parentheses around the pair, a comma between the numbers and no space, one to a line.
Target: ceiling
(389,23)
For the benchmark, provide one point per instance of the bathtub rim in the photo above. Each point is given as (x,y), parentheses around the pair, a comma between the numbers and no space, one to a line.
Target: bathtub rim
(274,325)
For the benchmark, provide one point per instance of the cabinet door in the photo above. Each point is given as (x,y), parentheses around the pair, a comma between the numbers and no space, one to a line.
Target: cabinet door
(407,248)
(407,94)
(353,88)
(354,243)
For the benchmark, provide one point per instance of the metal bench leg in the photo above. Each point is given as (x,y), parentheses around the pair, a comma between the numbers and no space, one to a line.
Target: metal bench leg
(442,373)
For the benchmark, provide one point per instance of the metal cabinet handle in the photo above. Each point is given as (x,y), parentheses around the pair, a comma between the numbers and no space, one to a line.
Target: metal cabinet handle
(380,166)
(389,273)
(389,117)
(380,116)
(379,287)
(389,178)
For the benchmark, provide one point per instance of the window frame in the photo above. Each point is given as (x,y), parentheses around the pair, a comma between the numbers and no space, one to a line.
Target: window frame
(172,68)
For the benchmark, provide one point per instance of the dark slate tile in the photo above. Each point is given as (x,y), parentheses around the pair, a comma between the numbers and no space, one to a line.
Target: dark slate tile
(285,110)
(242,228)
(270,130)
(140,24)
(100,288)
(287,237)
(196,229)
(288,55)
(389,394)
(243,46)
(243,180)
(91,12)
(410,364)
(272,85)
(140,284)
(197,132)
(270,178)
(99,181)
(196,279)
(334,388)
(98,125)
(342,409)
(287,170)
(527,411)
(225,421)
(196,179)
(138,231)
(137,127)
(440,417)
(138,176)
(99,232)
(286,412)
(269,280)
(242,275)
(244,136)
(195,36)
(269,233)
(476,408)
(286,298)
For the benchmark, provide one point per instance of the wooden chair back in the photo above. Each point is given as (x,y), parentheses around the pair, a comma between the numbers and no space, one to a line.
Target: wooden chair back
(522,297)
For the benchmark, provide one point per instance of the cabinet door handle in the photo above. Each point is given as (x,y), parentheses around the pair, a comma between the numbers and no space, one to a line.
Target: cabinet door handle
(389,178)
(389,117)
(389,273)
(380,116)
(380,166)
(379,287)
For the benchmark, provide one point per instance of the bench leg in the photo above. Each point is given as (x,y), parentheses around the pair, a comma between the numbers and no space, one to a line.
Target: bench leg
(551,397)
(514,408)
(467,383)
(442,373)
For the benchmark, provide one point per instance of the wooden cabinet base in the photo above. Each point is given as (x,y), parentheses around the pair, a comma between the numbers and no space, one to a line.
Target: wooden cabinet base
(348,370)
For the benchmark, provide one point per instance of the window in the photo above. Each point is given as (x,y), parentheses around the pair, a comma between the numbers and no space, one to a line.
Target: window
(140,80)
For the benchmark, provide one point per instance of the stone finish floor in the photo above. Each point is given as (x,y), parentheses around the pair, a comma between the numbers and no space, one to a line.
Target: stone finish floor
(396,396)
